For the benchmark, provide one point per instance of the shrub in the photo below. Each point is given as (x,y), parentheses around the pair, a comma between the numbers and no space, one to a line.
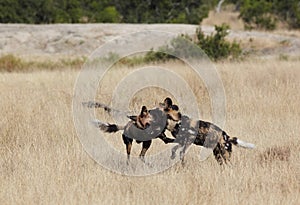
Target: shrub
(215,46)
(10,63)
(258,15)
(263,14)
(158,56)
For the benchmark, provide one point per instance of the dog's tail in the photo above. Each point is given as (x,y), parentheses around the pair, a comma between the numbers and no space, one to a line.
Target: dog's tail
(106,127)
(109,110)
(241,143)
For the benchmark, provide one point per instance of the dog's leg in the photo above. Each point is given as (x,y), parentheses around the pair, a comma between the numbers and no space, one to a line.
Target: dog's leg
(226,152)
(164,138)
(174,149)
(128,142)
(187,143)
(128,150)
(225,155)
(218,155)
(182,153)
(226,148)
(146,145)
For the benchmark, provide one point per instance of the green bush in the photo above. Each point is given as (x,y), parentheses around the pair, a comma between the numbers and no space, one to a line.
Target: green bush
(258,14)
(164,11)
(288,11)
(86,11)
(216,46)
(261,14)
(264,14)
(10,63)
(157,56)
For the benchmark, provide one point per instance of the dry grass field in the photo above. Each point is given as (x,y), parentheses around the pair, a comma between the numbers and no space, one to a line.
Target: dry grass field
(43,162)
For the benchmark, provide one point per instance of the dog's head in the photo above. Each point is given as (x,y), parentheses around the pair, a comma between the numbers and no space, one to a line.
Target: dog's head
(145,117)
(173,118)
(167,104)
(174,113)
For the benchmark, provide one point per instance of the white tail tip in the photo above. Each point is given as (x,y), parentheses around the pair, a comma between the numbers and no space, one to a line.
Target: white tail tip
(245,144)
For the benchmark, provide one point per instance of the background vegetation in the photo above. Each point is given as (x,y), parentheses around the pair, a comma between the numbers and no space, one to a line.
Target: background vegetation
(13,63)
(215,46)
(265,13)
(255,13)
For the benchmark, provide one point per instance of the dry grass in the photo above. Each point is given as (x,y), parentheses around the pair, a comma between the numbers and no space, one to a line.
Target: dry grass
(282,153)
(12,63)
(42,161)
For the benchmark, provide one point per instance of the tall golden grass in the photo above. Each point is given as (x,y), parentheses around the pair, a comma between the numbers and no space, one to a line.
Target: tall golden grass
(43,162)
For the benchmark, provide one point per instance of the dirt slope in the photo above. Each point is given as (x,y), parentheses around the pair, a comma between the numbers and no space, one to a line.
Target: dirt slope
(74,40)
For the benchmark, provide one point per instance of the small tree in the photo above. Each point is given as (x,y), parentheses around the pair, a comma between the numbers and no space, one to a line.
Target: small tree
(216,46)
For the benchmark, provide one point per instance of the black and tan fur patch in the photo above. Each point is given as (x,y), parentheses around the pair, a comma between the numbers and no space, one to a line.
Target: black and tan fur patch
(205,134)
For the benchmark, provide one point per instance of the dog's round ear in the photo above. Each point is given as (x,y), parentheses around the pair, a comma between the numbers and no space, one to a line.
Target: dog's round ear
(179,115)
(175,107)
(168,102)
(144,110)
(132,117)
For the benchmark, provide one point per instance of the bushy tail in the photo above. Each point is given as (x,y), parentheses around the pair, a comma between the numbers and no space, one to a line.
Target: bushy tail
(109,110)
(91,104)
(241,143)
(106,127)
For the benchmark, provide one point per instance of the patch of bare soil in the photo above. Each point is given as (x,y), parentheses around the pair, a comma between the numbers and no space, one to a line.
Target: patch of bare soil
(77,40)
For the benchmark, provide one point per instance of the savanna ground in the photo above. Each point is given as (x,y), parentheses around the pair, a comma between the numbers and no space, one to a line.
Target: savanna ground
(43,162)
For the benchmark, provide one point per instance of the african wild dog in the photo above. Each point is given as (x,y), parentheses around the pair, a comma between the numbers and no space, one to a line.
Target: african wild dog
(149,124)
(187,131)
(205,134)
